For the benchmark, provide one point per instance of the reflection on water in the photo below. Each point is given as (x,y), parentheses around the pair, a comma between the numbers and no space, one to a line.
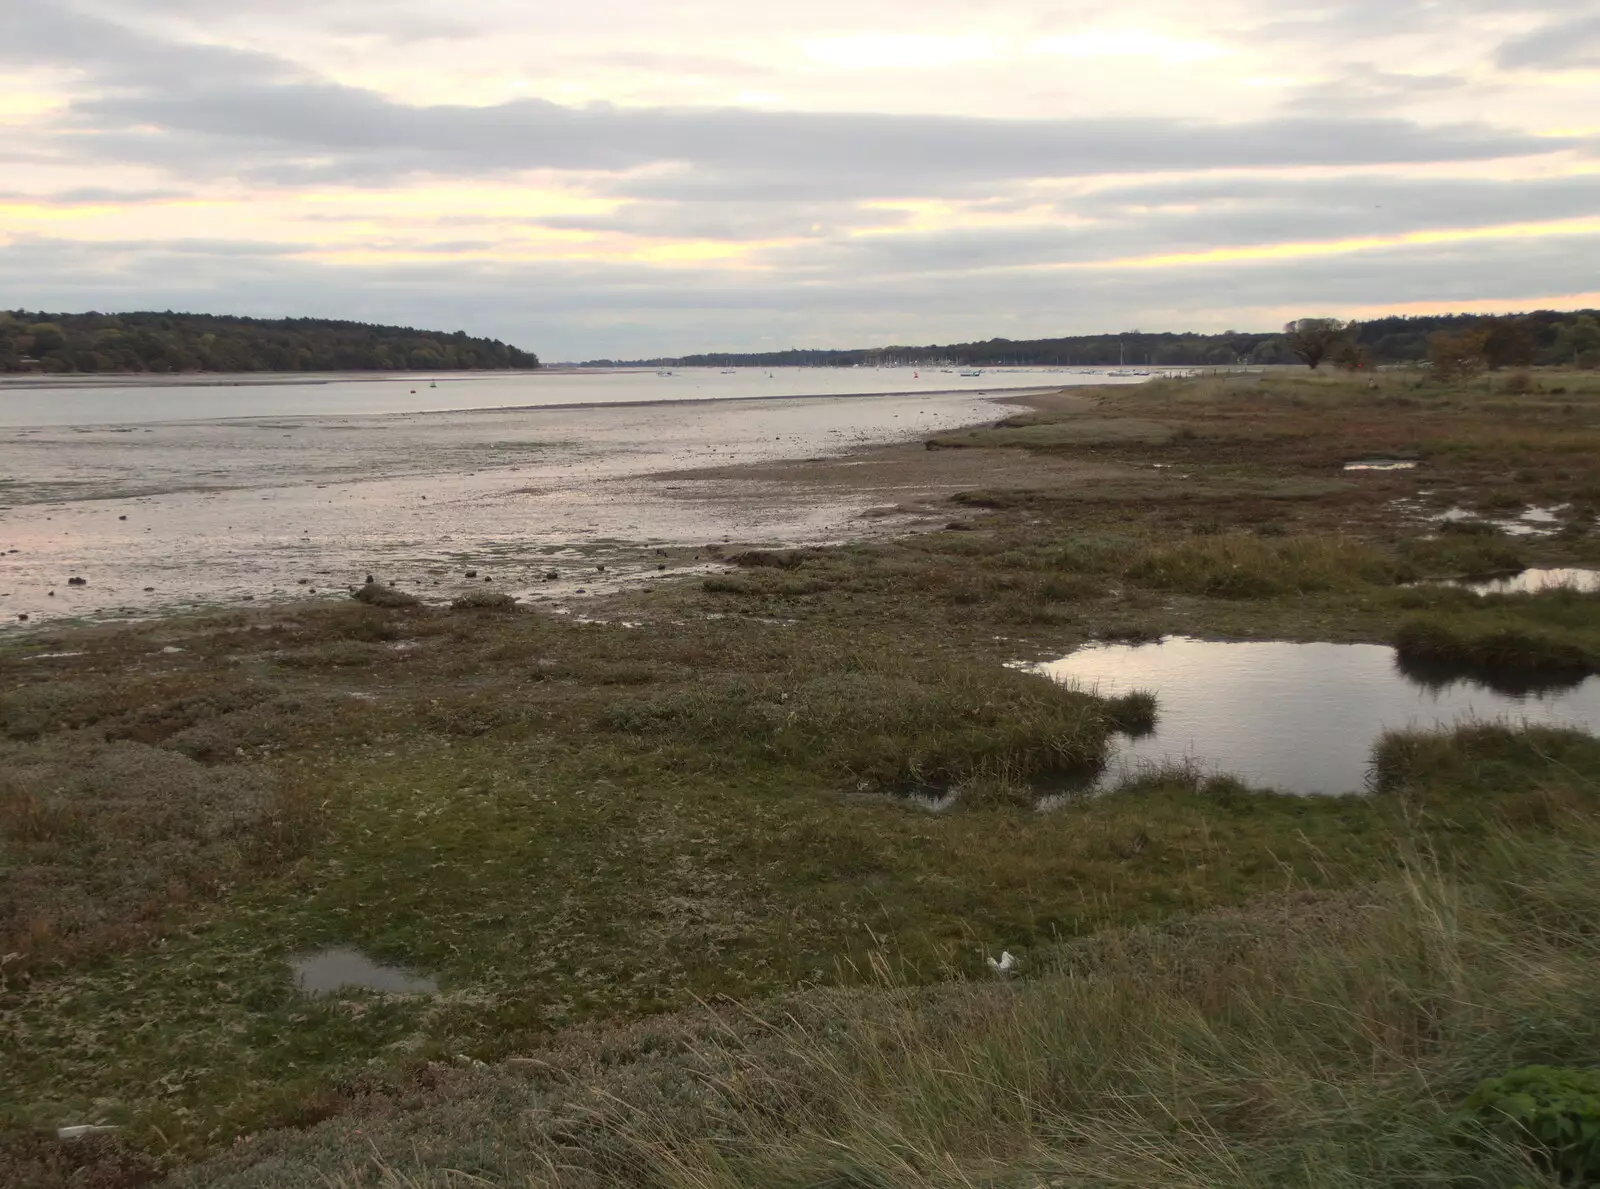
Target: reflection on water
(83,400)
(338,969)
(1535,580)
(1381,464)
(1298,718)
(1537,521)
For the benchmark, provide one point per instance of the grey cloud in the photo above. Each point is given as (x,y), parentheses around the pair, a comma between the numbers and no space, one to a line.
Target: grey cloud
(95,196)
(1206,214)
(1332,24)
(1561,44)
(729,221)
(207,109)
(1364,89)
(1353,204)
(117,55)
(325,131)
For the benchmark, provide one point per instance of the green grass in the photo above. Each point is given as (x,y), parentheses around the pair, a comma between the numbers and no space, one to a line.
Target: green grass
(1237,567)
(1319,1040)
(1479,645)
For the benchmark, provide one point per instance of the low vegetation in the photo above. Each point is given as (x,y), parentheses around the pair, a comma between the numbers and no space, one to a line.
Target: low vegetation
(1222,1049)
(674,869)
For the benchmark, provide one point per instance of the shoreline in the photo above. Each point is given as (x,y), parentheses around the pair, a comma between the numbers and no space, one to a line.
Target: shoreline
(619,518)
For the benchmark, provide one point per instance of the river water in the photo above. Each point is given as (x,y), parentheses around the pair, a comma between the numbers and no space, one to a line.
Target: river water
(91,400)
(168,496)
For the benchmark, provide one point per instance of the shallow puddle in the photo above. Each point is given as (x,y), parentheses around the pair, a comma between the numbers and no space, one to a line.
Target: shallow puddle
(1381,464)
(1533,581)
(1536,521)
(1298,718)
(339,969)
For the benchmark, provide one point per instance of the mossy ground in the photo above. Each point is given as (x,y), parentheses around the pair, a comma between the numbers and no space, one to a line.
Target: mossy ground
(585,823)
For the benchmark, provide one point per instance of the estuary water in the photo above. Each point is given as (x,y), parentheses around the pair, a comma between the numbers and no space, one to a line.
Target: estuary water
(93,400)
(167,496)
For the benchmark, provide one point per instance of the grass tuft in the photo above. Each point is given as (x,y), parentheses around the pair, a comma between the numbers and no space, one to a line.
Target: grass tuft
(375,594)
(1439,649)
(484,600)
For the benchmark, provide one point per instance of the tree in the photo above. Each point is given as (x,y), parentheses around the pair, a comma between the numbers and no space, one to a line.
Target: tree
(1351,356)
(1508,342)
(1313,339)
(1457,356)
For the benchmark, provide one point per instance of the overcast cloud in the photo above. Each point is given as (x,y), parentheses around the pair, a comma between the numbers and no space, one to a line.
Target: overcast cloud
(625,178)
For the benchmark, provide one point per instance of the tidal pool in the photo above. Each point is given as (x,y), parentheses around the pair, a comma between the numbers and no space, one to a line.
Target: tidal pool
(1532,581)
(1297,718)
(328,971)
(1381,464)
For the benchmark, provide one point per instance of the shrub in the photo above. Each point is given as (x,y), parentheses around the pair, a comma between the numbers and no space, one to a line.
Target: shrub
(1552,1110)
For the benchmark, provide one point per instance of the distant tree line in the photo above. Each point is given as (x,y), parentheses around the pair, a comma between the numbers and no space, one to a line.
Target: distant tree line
(1545,337)
(169,342)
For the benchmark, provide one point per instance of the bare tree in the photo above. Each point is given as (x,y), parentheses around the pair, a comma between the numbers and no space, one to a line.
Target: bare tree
(1312,339)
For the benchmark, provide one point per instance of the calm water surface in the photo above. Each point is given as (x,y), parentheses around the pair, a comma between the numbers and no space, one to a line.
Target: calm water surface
(193,399)
(1299,718)
(332,970)
(1532,581)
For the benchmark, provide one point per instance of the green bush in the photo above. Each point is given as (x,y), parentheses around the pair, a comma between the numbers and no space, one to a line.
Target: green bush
(1553,1110)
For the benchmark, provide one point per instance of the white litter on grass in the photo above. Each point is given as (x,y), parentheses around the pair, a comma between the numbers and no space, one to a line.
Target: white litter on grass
(1005,964)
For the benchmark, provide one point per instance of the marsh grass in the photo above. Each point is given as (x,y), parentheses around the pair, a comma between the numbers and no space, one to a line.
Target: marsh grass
(1310,1040)
(1241,567)
(1501,653)
(484,600)
(887,724)
(1465,549)
(102,839)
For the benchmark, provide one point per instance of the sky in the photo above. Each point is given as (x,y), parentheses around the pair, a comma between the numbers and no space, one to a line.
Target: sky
(631,178)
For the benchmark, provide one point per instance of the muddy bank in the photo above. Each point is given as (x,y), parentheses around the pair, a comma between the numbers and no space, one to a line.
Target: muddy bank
(157,518)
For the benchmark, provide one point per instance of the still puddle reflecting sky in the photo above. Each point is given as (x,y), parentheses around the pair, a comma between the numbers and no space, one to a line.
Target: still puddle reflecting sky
(338,969)
(1299,718)
(1533,581)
